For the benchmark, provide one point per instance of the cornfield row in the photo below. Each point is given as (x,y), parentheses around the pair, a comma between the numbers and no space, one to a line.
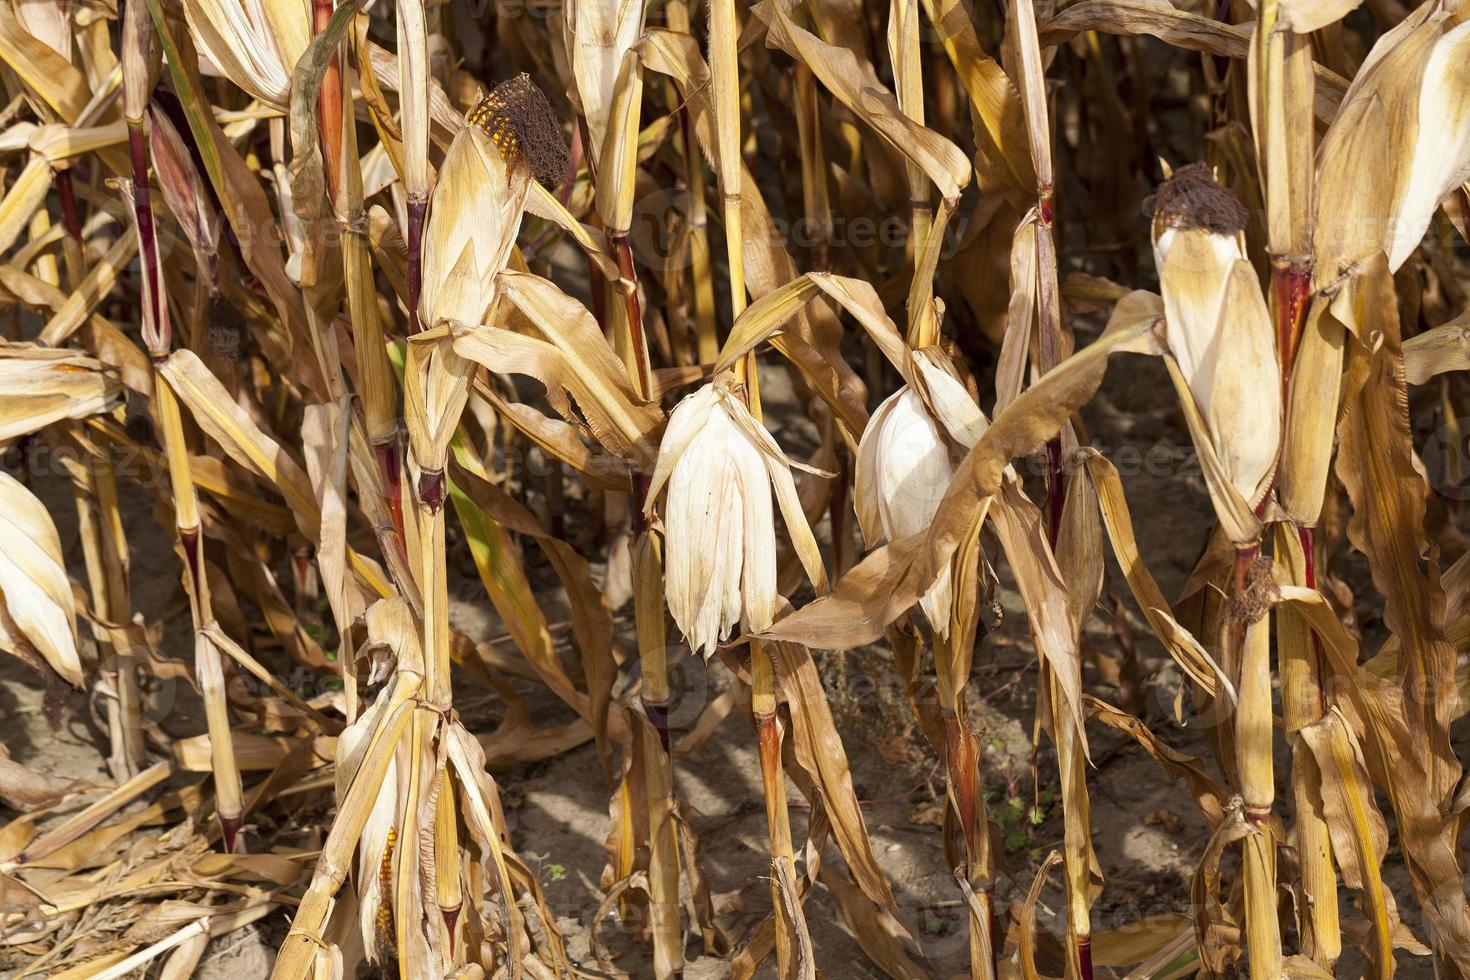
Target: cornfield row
(306,275)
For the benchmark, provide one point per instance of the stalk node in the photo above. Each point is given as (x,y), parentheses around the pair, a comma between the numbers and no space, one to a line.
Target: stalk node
(229,830)
(657,713)
(431,490)
(1255,592)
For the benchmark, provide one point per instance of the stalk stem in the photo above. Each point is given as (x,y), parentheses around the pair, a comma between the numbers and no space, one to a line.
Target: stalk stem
(707,342)
(329,106)
(1049,353)
(658,763)
(962,769)
(229,796)
(418,207)
(99,526)
(376,385)
(71,220)
(786,908)
(433,575)
(1303,703)
(1250,630)
(633,310)
(648,589)
(408,903)
(725,89)
(155,328)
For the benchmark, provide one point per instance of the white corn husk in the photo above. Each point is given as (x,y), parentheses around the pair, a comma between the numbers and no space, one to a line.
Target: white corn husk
(49,21)
(35,593)
(473,218)
(1217,326)
(906,458)
(1399,144)
(393,649)
(599,34)
(720,465)
(253,43)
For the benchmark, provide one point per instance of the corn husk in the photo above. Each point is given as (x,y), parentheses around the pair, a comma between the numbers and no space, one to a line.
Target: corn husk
(598,35)
(253,43)
(1399,145)
(46,385)
(36,593)
(1218,328)
(473,218)
(720,466)
(906,459)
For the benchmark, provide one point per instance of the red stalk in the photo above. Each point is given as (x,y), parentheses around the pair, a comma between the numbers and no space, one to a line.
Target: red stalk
(417,208)
(1291,286)
(391,473)
(960,760)
(329,102)
(230,829)
(70,216)
(431,490)
(629,288)
(156,332)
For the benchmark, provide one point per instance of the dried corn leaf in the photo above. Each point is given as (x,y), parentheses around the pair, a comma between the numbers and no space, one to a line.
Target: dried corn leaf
(573,357)
(818,749)
(33,583)
(856,85)
(890,580)
(1437,351)
(1359,834)
(44,385)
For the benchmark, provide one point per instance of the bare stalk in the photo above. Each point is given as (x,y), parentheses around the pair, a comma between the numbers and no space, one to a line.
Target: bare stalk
(1285,133)
(413,56)
(1304,702)
(229,799)
(962,765)
(816,203)
(105,551)
(1250,630)
(707,344)
(790,922)
(724,66)
(376,388)
(648,592)
(71,245)
(137,54)
(908,70)
(658,767)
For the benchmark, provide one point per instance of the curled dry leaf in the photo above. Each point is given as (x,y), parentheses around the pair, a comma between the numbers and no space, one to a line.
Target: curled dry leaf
(24,789)
(47,385)
(33,584)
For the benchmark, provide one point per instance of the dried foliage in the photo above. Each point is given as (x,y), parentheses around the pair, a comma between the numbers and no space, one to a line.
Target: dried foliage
(307,277)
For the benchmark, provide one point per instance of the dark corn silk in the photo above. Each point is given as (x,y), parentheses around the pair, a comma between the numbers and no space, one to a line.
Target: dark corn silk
(1192,199)
(520,122)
